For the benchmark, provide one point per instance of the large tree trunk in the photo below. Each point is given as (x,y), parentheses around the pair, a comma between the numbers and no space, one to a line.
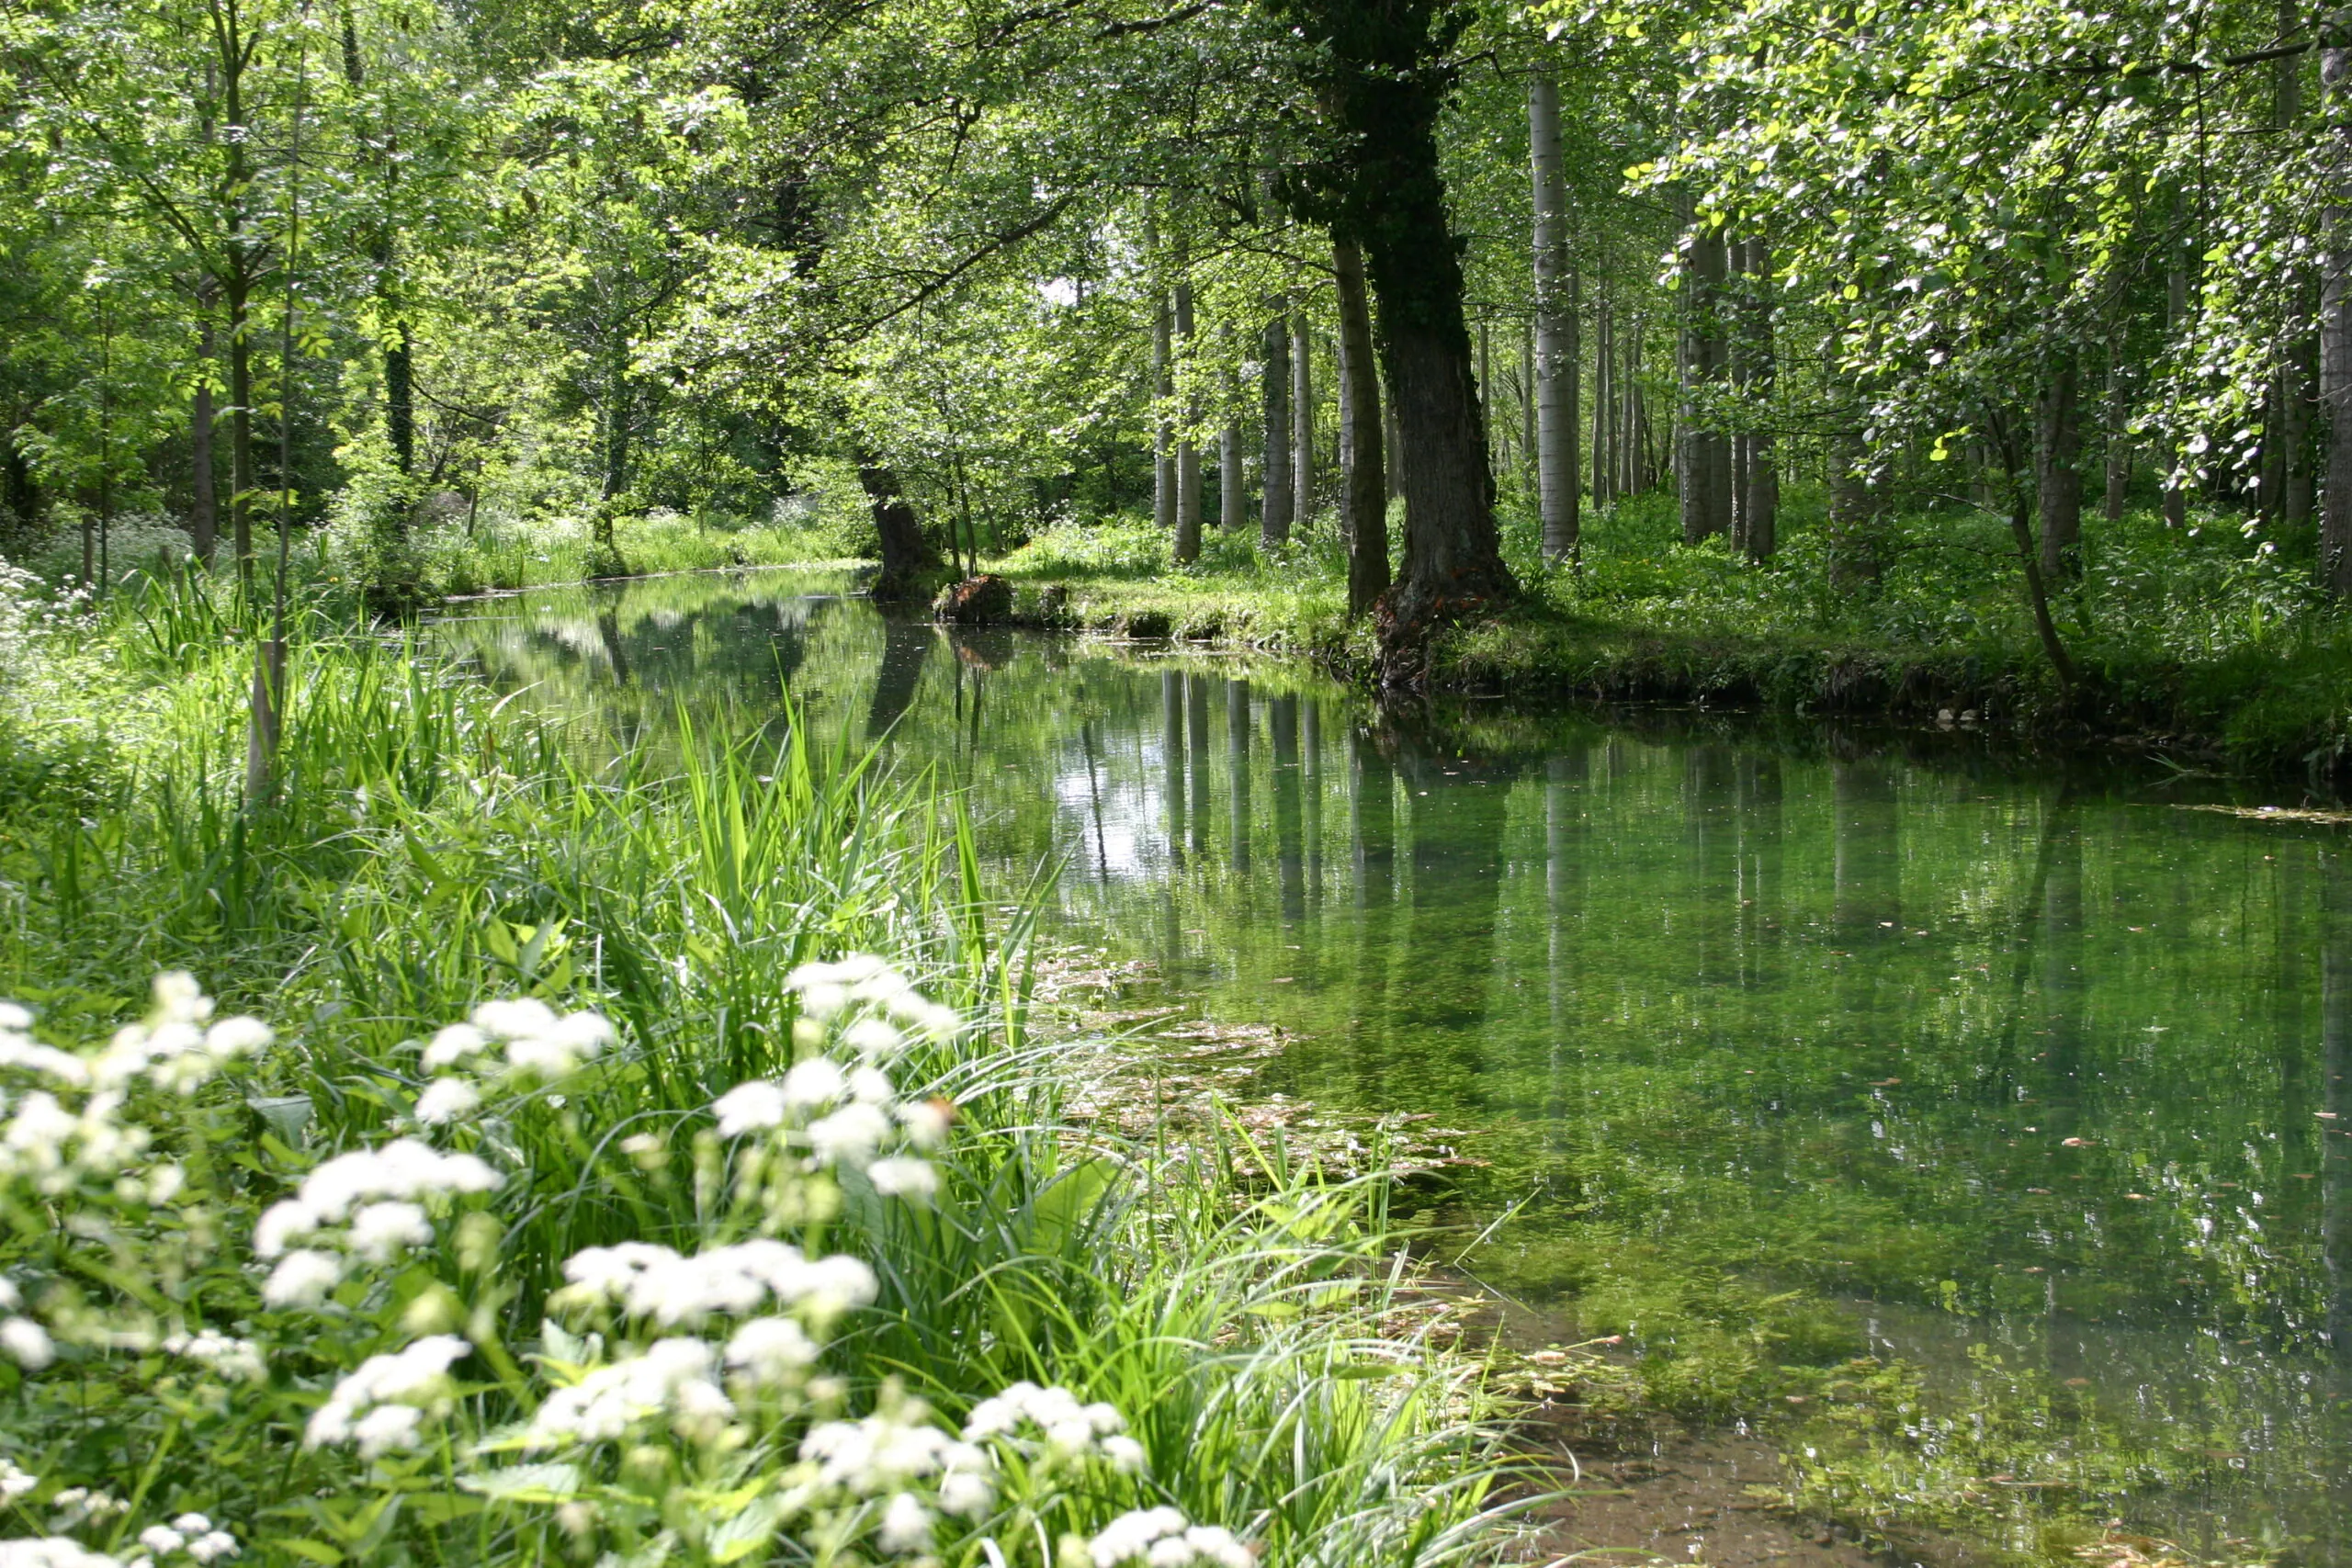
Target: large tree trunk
(1302,422)
(1274,507)
(908,559)
(204,510)
(1384,76)
(1188,458)
(1363,508)
(1703,452)
(1555,361)
(2335,341)
(1230,504)
(2059,475)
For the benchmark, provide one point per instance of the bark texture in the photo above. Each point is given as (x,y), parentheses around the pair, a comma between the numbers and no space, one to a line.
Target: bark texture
(1555,356)
(1187,458)
(2059,478)
(1363,510)
(1274,506)
(908,559)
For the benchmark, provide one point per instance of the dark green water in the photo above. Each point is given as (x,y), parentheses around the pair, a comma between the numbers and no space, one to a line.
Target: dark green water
(1791,1047)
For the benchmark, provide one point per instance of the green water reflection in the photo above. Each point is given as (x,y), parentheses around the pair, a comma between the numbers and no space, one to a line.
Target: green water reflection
(2039,1084)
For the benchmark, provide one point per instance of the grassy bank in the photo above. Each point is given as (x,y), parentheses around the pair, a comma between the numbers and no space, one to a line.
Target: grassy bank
(589,1199)
(2206,642)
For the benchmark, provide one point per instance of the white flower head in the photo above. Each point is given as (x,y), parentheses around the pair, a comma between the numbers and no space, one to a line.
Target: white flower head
(752,1107)
(906,1525)
(454,1045)
(302,1279)
(446,1100)
(901,1176)
(381,1232)
(815,1082)
(851,1135)
(26,1343)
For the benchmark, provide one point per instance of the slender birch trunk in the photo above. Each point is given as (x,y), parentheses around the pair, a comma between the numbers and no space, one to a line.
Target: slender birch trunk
(1302,422)
(1187,458)
(1363,508)
(1277,498)
(1556,432)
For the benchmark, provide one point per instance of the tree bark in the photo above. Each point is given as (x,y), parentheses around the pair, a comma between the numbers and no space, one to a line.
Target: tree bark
(241,425)
(2176,492)
(1704,455)
(1555,420)
(1853,513)
(1163,459)
(2336,339)
(1758,502)
(1604,405)
(1230,504)
(1363,510)
(1302,422)
(907,557)
(1188,458)
(1275,502)
(204,512)
(2059,475)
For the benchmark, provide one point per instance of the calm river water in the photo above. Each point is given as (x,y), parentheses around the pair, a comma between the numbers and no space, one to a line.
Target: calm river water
(1786,1046)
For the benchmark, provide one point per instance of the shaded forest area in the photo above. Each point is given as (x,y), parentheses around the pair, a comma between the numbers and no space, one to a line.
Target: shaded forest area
(2001,328)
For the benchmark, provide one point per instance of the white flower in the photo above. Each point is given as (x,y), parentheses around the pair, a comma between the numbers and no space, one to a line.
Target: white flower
(454,1045)
(229,1357)
(770,1349)
(653,1281)
(887,1450)
(1125,1453)
(192,1524)
(302,1279)
(750,1108)
(28,1342)
(356,1410)
(906,1525)
(381,1232)
(162,1539)
(516,1019)
(926,1122)
(850,1135)
(903,1177)
(873,1037)
(287,1221)
(403,1168)
(10,1299)
(14,1483)
(1161,1537)
(444,1100)
(871,1085)
(816,1081)
(671,1377)
(212,1546)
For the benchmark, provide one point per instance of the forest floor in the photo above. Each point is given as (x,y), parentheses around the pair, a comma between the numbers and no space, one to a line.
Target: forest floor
(2199,646)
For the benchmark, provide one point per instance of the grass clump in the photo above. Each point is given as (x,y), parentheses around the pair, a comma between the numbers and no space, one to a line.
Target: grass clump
(634,1166)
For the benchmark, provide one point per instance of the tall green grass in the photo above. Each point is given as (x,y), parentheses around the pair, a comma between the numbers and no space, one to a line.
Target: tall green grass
(424,849)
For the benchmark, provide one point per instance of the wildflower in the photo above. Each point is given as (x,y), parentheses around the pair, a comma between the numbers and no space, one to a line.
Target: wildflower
(52,1552)
(397,1383)
(1162,1537)
(240,1358)
(1070,1430)
(750,1108)
(403,1168)
(850,1135)
(671,1377)
(381,1232)
(653,1281)
(162,1539)
(873,1037)
(886,1451)
(447,1100)
(769,1349)
(213,1545)
(903,1178)
(14,1483)
(906,1525)
(926,1122)
(28,1342)
(814,1082)
(541,1043)
(302,1279)
(454,1045)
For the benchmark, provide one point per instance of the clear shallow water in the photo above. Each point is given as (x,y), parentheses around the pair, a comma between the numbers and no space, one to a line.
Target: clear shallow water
(2037,1082)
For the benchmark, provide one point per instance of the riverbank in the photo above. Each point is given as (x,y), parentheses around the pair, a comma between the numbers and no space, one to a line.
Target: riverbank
(2201,645)
(654,1159)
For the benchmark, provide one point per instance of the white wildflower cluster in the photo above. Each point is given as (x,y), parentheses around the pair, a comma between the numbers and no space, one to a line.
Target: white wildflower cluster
(1163,1538)
(372,1203)
(232,1358)
(191,1533)
(382,1406)
(897,1457)
(14,1483)
(670,1288)
(673,1379)
(837,1113)
(52,1552)
(1050,1424)
(828,990)
(79,1506)
(520,1040)
(29,616)
(55,1146)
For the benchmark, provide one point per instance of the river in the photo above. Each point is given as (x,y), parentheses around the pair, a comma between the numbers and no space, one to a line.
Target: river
(1768,1045)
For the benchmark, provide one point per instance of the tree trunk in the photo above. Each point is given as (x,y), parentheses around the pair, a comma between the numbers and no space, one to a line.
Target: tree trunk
(1703,452)
(1363,509)
(1527,476)
(908,559)
(240,427)
(2294,434)
(1230,506)
(1853,513)
(1758,502)
(1302,422)
(1604,404)
(1188,458)
(2336,339)
(2060,477)
(1274,505)
(1555,365)
(2119,438)
(1163,460)
(400,397)
(2176,492)
(204,513)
